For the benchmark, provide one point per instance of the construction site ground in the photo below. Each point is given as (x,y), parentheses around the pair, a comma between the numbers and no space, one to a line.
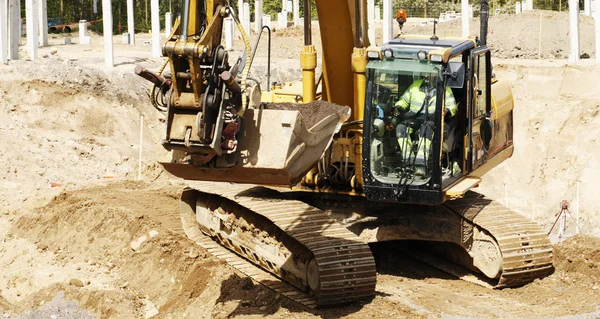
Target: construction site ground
(82,237)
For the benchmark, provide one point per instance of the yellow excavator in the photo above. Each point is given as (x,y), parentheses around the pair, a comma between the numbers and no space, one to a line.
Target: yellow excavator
(290,183)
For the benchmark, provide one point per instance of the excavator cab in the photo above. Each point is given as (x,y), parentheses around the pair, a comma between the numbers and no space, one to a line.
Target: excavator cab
(416,115)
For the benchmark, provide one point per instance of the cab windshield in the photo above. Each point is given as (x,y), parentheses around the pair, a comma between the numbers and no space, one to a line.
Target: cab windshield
(403,99)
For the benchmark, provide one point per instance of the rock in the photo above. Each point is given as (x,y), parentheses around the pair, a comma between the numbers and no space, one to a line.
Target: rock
(151,309)
(136,244)
(595,288)
(42,246)
(247,283)
(54,51)
(110,266)
(584,56)
(193,254)
(245,303)
(263,308)
(76,283)
(78,267)
(124,285)
(153,233)
(53,317)
(44,56)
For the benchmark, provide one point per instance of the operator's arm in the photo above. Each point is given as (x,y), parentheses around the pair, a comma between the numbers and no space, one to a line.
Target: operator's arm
(450,104)
(404,100)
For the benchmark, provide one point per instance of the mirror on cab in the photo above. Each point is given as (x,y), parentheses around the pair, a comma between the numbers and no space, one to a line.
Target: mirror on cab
(455,74)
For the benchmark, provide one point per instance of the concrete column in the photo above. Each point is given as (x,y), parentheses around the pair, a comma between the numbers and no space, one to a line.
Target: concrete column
(387,21)
(31,19)
(284,5)
(587,7)
(229,33)
(95,5)
(523,5)
(240,10)
(517,7)
(371,21)
(107,32)
(266,20)
(168,24)
(282,20)
(296,13)
(597,20)
(258,15)
(377,13)
(465,17)
(471,11)
(530,4)
(155,13)
(82,30)
(574,30)
(130,22)
(43,22)
(3,31)
(14,28)
(246,20)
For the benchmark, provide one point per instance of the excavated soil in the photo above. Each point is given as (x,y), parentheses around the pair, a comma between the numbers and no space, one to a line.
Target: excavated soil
(313,112)
(81,237)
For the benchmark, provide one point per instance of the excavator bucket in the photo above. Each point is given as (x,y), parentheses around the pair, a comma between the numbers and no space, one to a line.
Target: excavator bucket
(277,145)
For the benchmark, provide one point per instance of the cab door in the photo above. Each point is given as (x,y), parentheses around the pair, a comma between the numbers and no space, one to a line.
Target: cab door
(480,130)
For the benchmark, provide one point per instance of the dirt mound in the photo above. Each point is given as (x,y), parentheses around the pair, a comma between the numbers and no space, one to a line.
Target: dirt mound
(579,259)
(518,36)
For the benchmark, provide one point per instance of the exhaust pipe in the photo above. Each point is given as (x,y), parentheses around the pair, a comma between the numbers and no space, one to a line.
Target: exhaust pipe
(484,14)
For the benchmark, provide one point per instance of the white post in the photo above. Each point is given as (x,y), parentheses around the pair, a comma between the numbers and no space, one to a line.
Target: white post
(587,7)
(371,21)
(229,33)
(43,21)
(130,22)
(284,5)
(465,17)
(246,20)
(168,24)
(574,30)
(266,20)
(530,4)
(95,6)
(3,31)
(524,6)
(377,13)
(517,7)
(470,11)
(258,14)
(540,39)
(241,10)
(597,20)
(387,21)
(31,19)
(82,31)
(155,12)
(107,33)
(296,10)
(282,20)
(14,28)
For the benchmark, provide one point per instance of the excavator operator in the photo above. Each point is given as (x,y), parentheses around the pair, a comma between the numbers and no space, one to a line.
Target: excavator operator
(415,111)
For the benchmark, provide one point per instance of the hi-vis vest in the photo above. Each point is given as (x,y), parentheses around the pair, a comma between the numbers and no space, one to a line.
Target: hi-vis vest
(416,95)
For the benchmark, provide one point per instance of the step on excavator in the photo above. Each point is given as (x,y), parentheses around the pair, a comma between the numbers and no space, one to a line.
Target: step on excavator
(291,184)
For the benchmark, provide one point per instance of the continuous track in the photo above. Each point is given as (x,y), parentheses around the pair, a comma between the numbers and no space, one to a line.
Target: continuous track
(346,268)
(526,250)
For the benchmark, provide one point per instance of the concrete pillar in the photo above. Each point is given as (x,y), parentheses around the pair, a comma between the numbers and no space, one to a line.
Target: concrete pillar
(597,20)
(371,21)
(387,21)
(377,13)
(587,7)
(282,20)
(258,15)
(168,24)
(523,5)
(517,7)
(229,30)
(82,30)
(31,19)
(530,4)
(246,20)
(266,20)
(95,5)
(296,14)
(107,22)
(284,5)
(471,11)
(155,13)
(130,22)
(14,28)
(3,31)
(465,17)
(43,22)
(240,10)
(574,30)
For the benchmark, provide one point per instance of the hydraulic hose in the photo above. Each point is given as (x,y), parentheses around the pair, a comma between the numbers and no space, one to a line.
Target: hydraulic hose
(153,90)
(246,70)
